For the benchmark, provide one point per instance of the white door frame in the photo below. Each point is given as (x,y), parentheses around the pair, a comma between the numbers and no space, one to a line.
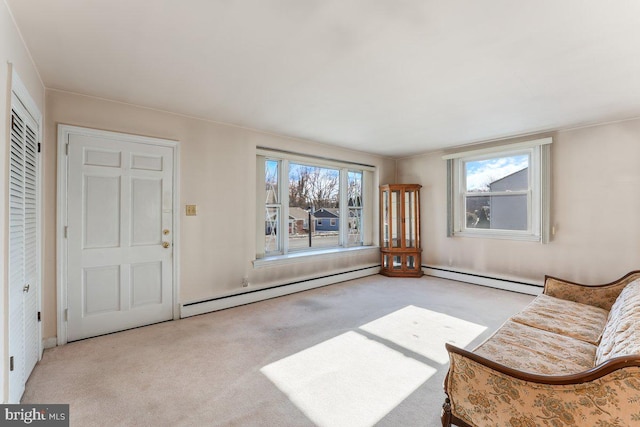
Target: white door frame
(62,254)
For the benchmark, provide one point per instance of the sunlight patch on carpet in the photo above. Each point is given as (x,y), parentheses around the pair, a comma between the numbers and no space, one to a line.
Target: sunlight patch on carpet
(424,331)
(348,380)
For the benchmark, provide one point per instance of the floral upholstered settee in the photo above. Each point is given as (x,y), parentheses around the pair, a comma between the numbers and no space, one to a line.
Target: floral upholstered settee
(570,358)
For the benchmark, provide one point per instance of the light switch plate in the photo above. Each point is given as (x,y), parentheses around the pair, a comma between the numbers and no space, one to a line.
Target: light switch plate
(191,210)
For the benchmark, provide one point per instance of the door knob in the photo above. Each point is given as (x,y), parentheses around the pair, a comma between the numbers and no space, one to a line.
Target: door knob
(165,245)
(165,231)
(26,288)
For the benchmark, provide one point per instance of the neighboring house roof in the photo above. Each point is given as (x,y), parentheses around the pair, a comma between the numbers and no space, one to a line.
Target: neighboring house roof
(298,213)
(327,213)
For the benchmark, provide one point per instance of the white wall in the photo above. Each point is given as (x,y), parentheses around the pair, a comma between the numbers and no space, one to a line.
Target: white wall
(218,175)
(595,210)
(13,55)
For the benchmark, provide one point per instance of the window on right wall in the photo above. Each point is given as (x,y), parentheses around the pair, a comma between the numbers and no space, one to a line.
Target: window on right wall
(500,191)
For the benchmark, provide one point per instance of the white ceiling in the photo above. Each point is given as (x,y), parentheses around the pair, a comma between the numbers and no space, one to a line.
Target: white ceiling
(393,77)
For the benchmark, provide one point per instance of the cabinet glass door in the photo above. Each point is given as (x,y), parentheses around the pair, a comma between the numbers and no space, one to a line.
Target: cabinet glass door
(396,218)
(385,219)
(409,215)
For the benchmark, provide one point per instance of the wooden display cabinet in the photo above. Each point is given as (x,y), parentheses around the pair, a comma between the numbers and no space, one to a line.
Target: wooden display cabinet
(401,255)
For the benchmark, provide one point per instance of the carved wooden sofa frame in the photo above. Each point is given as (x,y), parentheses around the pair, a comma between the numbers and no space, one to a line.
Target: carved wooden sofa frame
(597,377)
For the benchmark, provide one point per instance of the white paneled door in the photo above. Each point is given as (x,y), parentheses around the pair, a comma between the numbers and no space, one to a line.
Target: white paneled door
(120,233)
(23,258)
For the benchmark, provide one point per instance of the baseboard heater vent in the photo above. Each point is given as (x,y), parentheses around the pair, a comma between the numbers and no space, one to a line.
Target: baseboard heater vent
(220,303)
(531,288)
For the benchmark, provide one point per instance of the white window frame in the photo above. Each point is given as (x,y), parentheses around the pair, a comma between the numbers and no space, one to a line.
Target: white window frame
(284,158)
(538,193)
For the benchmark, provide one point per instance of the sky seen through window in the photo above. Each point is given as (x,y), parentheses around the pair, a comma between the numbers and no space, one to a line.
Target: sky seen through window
(480,173)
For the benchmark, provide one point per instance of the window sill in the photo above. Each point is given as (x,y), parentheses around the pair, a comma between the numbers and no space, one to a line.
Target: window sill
(502,236)
(298,257)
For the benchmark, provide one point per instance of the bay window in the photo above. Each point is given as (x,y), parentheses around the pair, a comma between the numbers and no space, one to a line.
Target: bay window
(307,203)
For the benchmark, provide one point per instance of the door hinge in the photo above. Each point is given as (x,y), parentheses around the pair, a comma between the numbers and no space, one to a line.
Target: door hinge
(39,147)
(39,317)
(66,314)
(66,149)
(11,363)
(66,231)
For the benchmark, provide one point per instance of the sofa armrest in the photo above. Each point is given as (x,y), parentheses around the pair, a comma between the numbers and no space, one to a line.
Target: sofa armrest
(482,392)
(602,296)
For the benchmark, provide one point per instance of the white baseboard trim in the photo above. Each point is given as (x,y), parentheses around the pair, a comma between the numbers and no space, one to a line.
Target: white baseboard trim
(193,309)
(508,284)
(49,342)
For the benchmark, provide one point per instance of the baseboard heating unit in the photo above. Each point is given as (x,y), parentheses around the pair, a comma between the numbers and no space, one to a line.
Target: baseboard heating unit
(508,284)
(220,303)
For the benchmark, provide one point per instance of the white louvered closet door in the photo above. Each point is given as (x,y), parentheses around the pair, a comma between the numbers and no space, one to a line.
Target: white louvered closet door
(23,260)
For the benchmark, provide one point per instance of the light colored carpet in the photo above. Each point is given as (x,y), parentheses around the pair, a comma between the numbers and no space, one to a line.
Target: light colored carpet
(360,353)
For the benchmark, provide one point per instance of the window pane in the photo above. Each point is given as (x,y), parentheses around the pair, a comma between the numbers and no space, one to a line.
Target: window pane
(497,212)
(313,190)
(508,173)
(272,207)
(478,212)
(354,192)
(271,181)
(355,227)
(354,200)
(508,212)
(271,242)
